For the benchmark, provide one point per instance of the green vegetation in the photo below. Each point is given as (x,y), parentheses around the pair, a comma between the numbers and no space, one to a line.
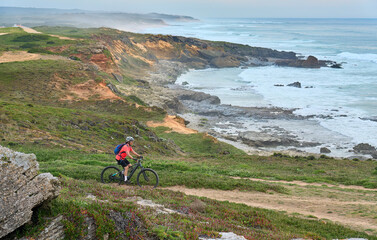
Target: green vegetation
(329,170)
(12,30)
(73,134)
(72,31)
(30,41)
(198,143)
(194,216)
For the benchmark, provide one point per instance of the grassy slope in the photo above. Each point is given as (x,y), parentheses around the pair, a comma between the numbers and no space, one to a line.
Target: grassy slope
(74,140)
(196,217)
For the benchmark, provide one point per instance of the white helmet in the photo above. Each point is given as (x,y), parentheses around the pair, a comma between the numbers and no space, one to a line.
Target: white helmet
(129,139)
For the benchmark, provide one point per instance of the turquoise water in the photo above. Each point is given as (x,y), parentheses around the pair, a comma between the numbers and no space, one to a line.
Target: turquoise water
(347,96)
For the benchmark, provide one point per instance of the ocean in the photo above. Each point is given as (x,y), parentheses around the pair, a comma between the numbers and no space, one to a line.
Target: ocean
(343,102)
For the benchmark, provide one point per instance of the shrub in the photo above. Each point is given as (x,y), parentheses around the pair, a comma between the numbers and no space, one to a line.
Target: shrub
(39,50)
(31,38)
(28,45)
(311,158)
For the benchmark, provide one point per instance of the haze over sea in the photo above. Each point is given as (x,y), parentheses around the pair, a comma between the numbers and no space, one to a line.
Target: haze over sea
(343,101)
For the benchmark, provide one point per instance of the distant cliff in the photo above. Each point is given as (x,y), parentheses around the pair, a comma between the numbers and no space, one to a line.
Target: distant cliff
(32,17)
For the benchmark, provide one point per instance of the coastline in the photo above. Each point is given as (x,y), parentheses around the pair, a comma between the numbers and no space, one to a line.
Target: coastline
(237,125)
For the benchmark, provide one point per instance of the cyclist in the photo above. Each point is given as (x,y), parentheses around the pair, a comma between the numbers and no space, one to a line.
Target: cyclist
(123,153)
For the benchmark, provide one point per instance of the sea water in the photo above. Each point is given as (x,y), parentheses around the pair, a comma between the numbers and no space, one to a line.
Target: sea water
(342,101)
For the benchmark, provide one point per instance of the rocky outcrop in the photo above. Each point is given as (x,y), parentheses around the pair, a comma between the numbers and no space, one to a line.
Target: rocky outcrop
(118,77)
(295,84)
(258,139)
(198,97)
(223,62)
(324,150)
(365,148)
(22,189)
(55,230)
(310,62)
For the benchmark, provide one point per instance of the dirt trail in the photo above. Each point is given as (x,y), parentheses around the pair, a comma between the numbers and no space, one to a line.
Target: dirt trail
(345,208)
(20,56)
(300,183)
(30,30)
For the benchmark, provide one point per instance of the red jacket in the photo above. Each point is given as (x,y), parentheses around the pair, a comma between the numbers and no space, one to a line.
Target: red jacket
(126,149)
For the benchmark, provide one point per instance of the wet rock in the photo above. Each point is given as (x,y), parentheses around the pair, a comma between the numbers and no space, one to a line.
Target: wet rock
(324,150)
(364,148)
(373,119)
(311,62)
(199,97)
(22,189)
(295,84)
(336,65)
(258,139)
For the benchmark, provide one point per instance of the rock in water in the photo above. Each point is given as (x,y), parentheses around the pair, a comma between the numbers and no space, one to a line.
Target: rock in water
(364,147)
(311,62)
(22,189)
(324,150)
(295,84)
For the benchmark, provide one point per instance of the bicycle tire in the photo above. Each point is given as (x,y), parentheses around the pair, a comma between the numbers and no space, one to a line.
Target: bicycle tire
(111,174)
(147,177)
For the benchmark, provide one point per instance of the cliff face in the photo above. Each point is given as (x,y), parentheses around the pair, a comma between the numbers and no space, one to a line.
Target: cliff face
(194,53)
(157,60)
(133,64)
(22,189)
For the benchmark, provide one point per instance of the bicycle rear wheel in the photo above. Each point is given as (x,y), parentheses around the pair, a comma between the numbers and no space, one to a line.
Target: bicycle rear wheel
(111,175)
(147,177)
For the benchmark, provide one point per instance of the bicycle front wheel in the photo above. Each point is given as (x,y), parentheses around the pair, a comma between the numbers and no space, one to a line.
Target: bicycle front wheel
(147,177)
(111,175)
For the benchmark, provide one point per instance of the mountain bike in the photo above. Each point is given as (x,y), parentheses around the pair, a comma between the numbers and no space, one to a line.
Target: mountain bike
(146,176)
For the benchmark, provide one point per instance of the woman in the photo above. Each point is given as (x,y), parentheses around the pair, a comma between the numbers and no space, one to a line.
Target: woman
(125,152)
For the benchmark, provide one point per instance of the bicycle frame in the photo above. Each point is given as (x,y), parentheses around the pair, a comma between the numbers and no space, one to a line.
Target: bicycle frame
(134,168)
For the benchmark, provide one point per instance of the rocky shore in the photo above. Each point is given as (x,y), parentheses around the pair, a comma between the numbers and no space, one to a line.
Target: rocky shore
(253,129)
(156,61)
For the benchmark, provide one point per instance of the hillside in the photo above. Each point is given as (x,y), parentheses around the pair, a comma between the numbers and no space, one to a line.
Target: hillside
(70,95)
(83,18)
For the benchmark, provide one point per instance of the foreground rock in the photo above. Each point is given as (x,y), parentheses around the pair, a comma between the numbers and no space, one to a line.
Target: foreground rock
(226,236)
(22,189)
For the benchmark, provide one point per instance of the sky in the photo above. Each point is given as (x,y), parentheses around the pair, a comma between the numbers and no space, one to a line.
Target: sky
(219,8)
